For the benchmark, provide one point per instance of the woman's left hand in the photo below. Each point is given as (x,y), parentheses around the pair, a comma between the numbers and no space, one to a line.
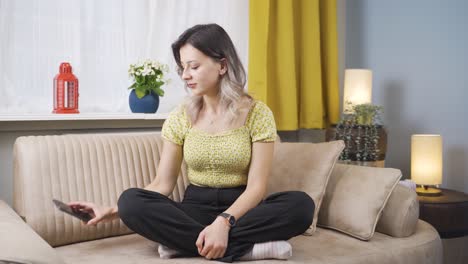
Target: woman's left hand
(213,240)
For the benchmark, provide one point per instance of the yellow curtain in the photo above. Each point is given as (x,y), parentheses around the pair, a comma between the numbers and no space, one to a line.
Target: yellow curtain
(293,61)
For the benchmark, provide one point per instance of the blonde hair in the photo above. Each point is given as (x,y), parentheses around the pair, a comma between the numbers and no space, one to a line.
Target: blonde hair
(213,41)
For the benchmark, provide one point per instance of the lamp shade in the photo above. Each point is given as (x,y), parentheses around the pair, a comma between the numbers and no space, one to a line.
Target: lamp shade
(357,87)
(426,159)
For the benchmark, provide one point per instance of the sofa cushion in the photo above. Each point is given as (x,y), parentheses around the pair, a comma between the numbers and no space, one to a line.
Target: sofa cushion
(18,242)
(355,198)
(325,246)
(305,167)
(400,214)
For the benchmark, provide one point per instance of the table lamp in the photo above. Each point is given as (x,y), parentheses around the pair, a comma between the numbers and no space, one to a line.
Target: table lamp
(426,163)
(357,88)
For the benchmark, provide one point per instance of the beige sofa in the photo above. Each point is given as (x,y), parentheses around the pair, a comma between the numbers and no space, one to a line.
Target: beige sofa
(100,167)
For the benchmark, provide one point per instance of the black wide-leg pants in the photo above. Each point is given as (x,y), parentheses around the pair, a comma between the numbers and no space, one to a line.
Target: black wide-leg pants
(280,216)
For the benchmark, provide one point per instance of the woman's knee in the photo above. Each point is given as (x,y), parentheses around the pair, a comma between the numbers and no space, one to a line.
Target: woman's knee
(304,207)
(129,204)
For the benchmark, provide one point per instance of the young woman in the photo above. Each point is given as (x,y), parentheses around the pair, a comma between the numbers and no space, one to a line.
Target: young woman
(226,139)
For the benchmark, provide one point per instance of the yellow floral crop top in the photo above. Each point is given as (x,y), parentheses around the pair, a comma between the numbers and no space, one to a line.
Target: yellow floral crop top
(220,160)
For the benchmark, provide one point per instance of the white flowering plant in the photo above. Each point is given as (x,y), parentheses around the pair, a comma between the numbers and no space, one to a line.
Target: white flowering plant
(148,76)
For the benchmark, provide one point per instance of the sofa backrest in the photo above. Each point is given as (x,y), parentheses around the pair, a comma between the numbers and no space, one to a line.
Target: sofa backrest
(98,167)
(85,167)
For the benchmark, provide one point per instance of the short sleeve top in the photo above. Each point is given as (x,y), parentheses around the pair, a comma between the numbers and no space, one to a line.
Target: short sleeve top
(220,160)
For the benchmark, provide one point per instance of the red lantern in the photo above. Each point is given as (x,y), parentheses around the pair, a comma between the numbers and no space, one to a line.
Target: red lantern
(65,91)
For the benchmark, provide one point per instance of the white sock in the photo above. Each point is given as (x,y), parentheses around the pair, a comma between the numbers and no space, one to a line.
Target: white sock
(269,250)
(167,253)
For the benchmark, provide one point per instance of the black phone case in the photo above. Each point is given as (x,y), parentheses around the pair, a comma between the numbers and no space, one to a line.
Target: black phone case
(67,209)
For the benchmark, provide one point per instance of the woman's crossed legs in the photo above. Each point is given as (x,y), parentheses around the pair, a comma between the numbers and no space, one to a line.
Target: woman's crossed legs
(280,216)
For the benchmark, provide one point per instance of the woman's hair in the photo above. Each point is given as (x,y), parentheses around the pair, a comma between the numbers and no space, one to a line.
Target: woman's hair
(213,41)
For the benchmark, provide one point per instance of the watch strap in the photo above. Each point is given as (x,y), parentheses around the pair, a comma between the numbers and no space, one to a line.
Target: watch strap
(231,220)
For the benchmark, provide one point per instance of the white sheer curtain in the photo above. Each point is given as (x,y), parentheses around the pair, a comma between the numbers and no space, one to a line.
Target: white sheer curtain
(100,39)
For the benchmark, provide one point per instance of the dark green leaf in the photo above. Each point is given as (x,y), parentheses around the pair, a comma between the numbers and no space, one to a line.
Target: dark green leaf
(159,91)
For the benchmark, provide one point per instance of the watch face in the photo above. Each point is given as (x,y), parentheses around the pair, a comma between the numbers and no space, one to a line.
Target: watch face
(232,221)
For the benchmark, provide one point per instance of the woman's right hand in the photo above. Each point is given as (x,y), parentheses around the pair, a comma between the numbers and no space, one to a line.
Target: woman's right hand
(98,213)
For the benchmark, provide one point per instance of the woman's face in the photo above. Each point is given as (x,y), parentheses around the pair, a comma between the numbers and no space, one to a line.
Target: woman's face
(201,73)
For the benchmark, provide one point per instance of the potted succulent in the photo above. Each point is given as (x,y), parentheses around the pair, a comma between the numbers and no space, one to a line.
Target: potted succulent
(148,78)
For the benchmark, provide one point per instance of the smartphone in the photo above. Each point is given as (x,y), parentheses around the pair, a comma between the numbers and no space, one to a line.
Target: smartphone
(67,209)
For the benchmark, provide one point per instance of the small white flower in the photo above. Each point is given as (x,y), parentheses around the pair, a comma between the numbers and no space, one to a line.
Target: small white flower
(147,63)
(146,71)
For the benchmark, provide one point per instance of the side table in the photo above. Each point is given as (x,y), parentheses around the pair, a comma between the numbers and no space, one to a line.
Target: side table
(376,163)
(448,214)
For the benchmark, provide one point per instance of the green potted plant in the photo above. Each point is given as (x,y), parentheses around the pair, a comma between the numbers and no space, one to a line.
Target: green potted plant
(367,114)
(148,78)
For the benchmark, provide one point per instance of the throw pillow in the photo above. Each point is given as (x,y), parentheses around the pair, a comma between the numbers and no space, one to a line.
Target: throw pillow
(305,167)
(355,198)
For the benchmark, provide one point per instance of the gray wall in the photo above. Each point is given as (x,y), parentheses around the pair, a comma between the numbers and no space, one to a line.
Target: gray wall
(418,51)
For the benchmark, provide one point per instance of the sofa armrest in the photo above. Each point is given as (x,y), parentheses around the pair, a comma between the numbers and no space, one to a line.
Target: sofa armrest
(19,242)
(401,213)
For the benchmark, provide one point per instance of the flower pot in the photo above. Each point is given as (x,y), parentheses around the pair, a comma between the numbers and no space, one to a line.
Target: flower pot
(148,104)
(365,119)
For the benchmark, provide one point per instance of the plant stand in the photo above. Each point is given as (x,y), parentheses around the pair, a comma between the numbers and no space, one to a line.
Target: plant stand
(365,145)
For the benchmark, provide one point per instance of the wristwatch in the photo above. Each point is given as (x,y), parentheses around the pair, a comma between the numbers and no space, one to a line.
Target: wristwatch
(230,218)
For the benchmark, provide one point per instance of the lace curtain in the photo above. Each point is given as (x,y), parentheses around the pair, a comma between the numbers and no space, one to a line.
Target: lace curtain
(100,39)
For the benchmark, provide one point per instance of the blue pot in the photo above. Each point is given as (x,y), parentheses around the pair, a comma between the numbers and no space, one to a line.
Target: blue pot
(148,104)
